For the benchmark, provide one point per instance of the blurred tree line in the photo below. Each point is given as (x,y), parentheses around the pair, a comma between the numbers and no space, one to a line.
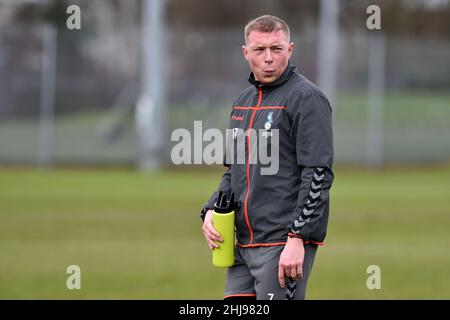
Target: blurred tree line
(100,61)
(412,17)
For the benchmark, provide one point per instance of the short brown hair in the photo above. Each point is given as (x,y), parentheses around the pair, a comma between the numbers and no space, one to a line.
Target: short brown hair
(266,23)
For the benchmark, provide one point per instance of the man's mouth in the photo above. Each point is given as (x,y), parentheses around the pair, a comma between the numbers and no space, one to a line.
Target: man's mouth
(268,72)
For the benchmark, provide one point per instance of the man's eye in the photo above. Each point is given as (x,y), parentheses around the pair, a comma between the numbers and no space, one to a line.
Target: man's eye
(277,49)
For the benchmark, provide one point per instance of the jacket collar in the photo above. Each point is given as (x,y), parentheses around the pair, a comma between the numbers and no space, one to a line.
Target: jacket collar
(285,76)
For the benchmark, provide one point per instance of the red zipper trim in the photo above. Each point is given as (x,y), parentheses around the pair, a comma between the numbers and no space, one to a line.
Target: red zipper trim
(258,108)
(256,245)
(273,244)
(248,164)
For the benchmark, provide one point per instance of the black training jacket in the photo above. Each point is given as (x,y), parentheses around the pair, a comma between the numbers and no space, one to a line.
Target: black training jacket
(295,200)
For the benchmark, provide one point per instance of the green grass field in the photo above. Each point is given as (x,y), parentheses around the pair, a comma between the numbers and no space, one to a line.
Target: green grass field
(138,236)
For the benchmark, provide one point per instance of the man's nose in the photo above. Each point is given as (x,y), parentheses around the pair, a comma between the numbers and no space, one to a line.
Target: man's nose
(268,58)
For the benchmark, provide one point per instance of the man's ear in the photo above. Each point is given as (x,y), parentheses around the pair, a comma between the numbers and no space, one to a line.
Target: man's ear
(245,52)
(291,49)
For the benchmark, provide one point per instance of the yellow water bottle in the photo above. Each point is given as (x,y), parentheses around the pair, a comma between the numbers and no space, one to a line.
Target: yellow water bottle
(223,220)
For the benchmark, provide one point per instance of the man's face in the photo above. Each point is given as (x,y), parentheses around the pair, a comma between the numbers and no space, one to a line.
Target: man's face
(267,54)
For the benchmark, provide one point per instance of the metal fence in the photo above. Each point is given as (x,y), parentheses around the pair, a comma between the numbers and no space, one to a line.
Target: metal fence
(97,76)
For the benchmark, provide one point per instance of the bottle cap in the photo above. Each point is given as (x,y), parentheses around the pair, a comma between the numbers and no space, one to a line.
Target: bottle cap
(223,205)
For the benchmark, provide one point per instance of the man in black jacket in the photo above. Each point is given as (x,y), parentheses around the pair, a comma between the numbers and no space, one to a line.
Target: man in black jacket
(282,217)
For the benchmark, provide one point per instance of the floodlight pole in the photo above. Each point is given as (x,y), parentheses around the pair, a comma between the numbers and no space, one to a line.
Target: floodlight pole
(150,110)
(47,98)
(327,46)
(375,112)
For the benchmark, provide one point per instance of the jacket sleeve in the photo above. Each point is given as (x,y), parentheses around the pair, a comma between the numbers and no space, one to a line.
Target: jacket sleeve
(313,135)
(225,182)
(224,186)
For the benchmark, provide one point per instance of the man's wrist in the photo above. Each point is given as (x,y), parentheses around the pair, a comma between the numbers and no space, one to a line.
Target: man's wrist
(204,212)
(295,242)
